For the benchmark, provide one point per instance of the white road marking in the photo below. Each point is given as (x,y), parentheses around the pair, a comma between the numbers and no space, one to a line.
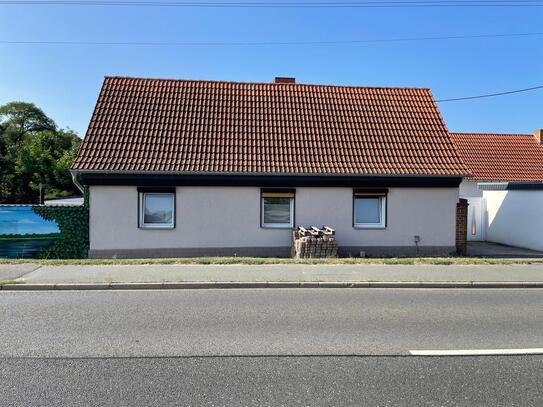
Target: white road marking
(477,352)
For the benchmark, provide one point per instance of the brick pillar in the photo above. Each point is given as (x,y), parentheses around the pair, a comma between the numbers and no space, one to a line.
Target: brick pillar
(462,227)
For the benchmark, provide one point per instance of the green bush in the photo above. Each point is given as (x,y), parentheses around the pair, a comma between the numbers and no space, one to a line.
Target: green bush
(73,223)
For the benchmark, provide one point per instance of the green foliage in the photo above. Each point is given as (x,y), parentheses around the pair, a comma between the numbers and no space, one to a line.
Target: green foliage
(86,196)
(35,156)
(73,222)
(23,118)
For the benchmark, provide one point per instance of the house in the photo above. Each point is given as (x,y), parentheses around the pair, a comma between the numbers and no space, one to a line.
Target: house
(190,167)
(504,192)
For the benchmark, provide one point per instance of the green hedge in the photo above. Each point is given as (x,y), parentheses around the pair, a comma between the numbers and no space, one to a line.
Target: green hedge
(73,222)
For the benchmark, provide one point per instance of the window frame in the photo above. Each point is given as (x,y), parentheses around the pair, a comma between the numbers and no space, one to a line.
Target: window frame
(382,195)
(278,193)
(142,193)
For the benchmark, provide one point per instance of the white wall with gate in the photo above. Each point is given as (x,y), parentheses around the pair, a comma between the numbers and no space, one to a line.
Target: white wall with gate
(515,217)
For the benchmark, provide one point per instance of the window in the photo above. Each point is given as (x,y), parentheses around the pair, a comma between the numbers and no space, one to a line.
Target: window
(157,210)
(277,209)
(369,209)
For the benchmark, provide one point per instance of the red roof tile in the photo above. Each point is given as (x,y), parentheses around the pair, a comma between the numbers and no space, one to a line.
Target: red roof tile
(188,126)
(501,157)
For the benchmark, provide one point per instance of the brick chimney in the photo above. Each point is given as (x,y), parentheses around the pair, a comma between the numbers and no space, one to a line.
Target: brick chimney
(282,79)
(538,134)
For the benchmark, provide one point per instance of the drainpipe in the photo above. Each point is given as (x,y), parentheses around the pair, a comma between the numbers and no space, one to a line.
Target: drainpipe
(76,182)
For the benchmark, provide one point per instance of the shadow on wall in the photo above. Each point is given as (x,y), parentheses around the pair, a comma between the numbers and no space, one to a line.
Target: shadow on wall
(515,218)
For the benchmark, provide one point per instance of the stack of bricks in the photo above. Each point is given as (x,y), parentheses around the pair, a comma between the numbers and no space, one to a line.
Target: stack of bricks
(314,242)
(462,227)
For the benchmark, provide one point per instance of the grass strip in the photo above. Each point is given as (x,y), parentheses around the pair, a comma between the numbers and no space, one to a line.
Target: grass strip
(265,260)
(4,282)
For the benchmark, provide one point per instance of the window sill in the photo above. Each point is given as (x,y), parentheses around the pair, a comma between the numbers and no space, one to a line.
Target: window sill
(369,227)
(156,227)
(277,227)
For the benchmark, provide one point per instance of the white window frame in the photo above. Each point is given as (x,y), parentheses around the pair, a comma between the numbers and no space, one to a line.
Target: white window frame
(144,225)
(289,225)
(382,212)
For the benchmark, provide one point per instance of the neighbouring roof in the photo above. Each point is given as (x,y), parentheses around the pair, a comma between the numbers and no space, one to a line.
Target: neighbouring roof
(501,157)
(71,201)
(188,126)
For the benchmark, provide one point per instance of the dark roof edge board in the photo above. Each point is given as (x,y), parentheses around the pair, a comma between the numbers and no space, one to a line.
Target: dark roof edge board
(510,186)
(78,171)
(169,179)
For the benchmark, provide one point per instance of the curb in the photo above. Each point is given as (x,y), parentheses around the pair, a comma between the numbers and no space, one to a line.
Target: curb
(270,284)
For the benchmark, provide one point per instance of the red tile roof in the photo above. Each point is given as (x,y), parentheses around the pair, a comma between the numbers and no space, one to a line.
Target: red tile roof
(188,126)
(501,157)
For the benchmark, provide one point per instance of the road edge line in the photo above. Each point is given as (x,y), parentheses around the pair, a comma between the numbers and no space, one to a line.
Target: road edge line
(477,352)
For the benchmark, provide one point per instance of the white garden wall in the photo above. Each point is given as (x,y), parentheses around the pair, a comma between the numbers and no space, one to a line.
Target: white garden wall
(515,217)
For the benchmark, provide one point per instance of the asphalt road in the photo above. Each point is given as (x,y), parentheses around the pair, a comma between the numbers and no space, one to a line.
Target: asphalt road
(269,347)
(266,322)
(275,381)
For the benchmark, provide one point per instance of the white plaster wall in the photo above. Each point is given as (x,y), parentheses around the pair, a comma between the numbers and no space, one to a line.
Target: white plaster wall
(230,217)
(205,217)
(515,218)
(469,189)
(429,213)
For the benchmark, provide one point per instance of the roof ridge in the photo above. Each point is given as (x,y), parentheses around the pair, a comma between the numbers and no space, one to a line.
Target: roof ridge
(262,83)
(489,134)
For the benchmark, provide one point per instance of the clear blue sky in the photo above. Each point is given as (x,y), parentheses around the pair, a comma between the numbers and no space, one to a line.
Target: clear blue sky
(21,220)
(65,80)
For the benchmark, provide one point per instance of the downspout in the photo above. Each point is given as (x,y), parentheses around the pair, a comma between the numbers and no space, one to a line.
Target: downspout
(76,182)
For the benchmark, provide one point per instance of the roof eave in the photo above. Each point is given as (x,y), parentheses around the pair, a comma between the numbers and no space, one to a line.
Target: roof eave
(288,174)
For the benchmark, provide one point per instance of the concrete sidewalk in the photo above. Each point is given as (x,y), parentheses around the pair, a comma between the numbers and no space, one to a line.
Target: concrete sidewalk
(500,251)
(266,275)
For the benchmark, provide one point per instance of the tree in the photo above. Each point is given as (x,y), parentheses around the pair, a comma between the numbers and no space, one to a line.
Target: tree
(22,118)
(35,156)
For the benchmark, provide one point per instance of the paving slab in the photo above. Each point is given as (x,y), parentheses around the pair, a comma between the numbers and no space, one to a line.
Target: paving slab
(13,271)
(303,273)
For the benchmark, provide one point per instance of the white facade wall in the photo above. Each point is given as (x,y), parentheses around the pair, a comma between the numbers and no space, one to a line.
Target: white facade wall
(515,218)
(468,189)
(428,213)
(229,217)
